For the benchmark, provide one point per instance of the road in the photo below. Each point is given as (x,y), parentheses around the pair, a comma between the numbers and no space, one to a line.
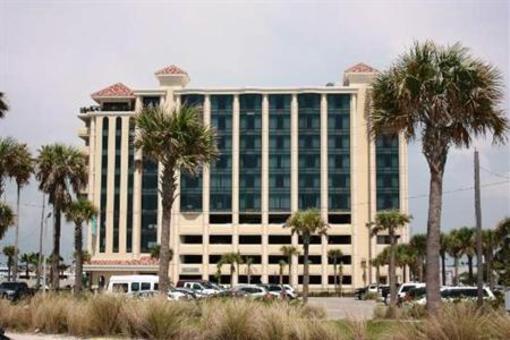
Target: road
(343,308)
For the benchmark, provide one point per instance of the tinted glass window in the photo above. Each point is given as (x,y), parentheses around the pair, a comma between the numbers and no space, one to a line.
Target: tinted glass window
(146,286)
(135,286)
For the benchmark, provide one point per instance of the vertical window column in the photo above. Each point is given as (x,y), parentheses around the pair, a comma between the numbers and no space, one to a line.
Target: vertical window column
(309,150)
(130,185)
(104,189)
(116,185)
(250,156)
(149,227)
(387,172)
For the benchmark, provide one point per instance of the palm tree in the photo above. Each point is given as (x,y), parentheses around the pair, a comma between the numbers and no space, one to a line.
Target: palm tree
(154,251)
(391,221)
(336,255)
(467,239)
(231,259)
(489,245)
(61,172)
(180,142)
(406,257)
(79,212)
(282,265)
(219,265)
(306,223)
(419,244)
(502,254)
(377,262)
(454,249)
(248,262)
(10,253)
(20,169)
(28,260)
(7,156)
(443,241)
(6,218)
(289,252)
(3,105)
(445,97)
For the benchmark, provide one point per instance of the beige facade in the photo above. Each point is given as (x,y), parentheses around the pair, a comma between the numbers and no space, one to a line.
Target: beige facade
(115,239)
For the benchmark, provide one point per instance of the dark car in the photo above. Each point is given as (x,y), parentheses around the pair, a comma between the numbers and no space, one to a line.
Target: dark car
(14,290)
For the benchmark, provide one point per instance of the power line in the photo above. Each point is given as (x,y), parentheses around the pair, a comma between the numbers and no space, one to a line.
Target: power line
(494,173)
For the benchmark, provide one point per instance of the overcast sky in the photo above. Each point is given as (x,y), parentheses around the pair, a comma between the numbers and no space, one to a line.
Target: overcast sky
(53,54)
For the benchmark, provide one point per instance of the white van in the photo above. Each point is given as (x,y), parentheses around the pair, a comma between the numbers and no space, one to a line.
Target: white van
(132,284)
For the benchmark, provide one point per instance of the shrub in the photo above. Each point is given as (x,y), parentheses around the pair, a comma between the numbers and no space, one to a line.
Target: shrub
(14,316)
(50,313)
(105,312)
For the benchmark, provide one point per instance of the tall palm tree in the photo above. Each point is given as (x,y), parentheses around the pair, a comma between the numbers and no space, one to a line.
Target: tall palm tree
(248,261)
(306,223)
(231,259)
(281,264)
(336,255)
(61,172)
(489,242)
(3,105)
(79,212)
(10,253)
(7,156)
(391,221)
(467,239)
(443,242)
(289,252)
(180,142)
(454,249)
(21,170)
(419,244)
(6,218)
(445,97)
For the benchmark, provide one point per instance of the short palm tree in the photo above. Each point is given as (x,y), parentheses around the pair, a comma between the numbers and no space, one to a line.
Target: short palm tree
(6,218)
(336,255)
(406,257)
(28,260)
(489,242)
(281,265)
(219,266)
(248,262)
(443,242)
(446,97)
(419,244)
(467,238)
(21,170)
(454,248)
(61,172)
(179,142)
(231,259)
(10,253)
(391,221)
(289,252)
(306,223)
(502,254)
(79,212)
(3,105)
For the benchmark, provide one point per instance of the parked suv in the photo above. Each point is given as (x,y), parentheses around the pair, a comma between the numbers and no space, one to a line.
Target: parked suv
(14,290)
(199,286)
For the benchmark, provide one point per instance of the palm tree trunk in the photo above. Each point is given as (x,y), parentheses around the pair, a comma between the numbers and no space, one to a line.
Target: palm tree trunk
(249,274)
(9,266)
(433,237)
(377,275)
(16,242)
(55,256)
(456,271)
(167,193)
(335,277)
(443,268)
(290,268)
(392,274)
(306,279)
(341,278)
(232,270)
(281,275)
(470,267)
(420,269)
(490,276)
(78,248)
(404,274)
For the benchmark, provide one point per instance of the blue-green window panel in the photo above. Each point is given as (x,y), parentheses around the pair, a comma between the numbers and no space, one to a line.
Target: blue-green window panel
(220,202)
(339,142)
(221,103)
(387,201)
(279,102)
(339,102)
(221,181)
(223,162)
(191,202)
(338,161)
(388,181)
(149,230)
(279,202)
(250,121)
(149,204)
(309,143)
(278,142)
(249,181)
(387,160)
(338,123)
(309,161)
(281,161)
(339,202)
(279,181)
(196,100)
(250,102)
(309,200)
(309,181)
(249,201)
(221,122)
(387,172)
(309,121)
(338,181)
(250,142)
(279,123)
(191,192)
(250,161)
(224,142)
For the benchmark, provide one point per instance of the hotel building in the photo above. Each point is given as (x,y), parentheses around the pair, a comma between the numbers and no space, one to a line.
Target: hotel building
(282,149)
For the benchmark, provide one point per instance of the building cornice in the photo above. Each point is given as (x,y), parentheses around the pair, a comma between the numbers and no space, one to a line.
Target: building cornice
(268,90)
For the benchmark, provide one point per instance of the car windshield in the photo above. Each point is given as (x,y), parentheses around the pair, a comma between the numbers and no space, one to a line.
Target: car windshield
(407,288)
(9,285)
(207,285)
(274,288)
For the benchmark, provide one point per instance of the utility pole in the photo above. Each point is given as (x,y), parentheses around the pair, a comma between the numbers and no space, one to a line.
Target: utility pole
(478,213)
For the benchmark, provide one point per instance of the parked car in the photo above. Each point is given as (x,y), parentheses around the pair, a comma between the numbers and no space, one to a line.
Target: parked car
(132,284)
(361,293)
(406,287)
(199,286)
(14,290)
(457,293)
(191,294)
(252,291)
(277,291)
